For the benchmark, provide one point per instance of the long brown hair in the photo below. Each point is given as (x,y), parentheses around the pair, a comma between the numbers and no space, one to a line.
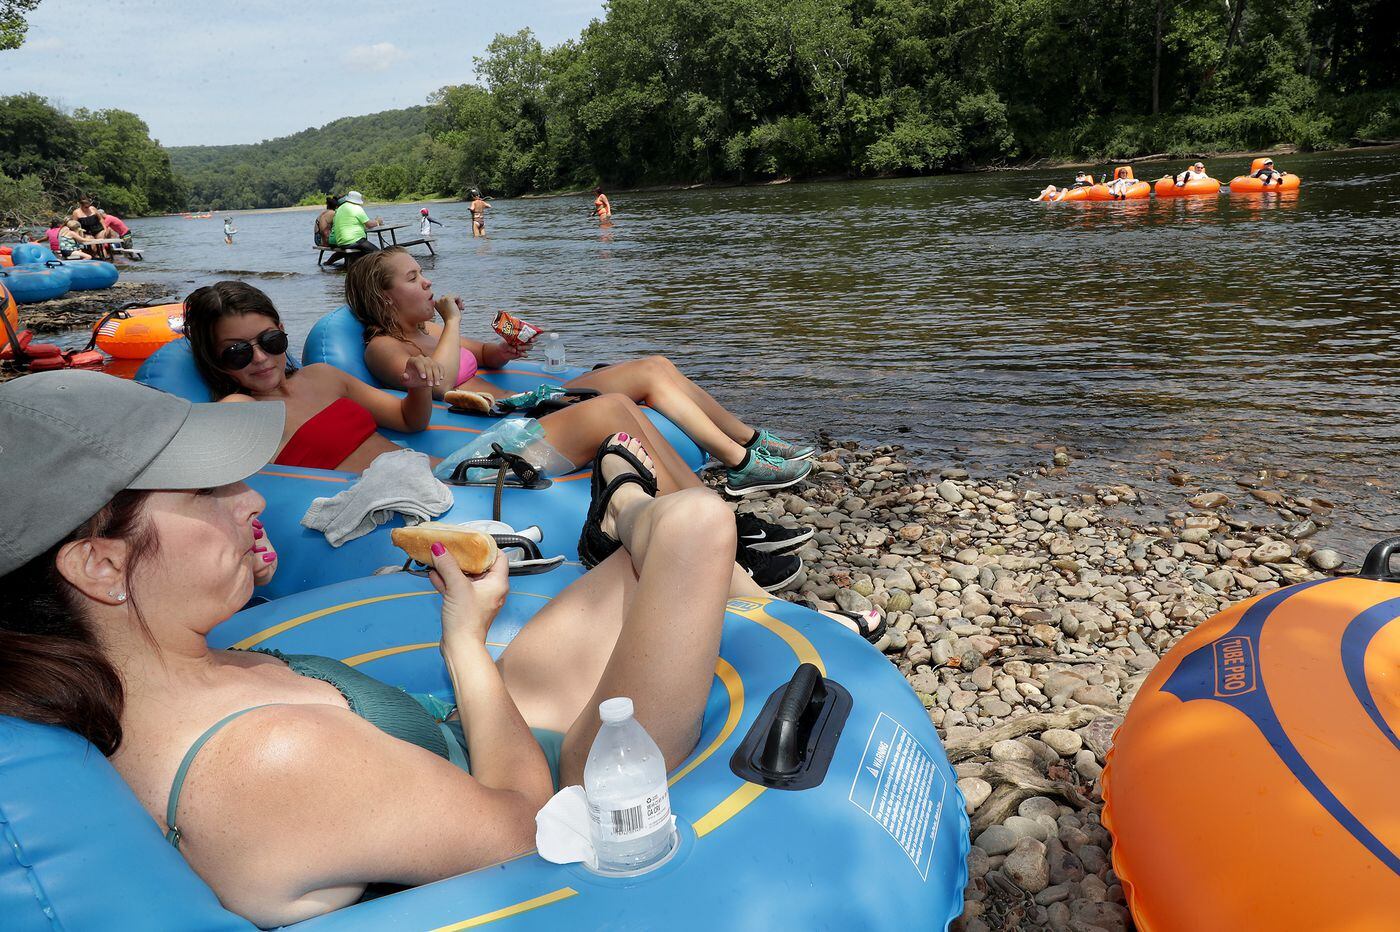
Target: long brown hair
(52,669)
(203,310)
(366,291)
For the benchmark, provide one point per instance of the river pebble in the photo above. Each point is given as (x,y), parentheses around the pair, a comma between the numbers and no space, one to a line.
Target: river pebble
(1004,601)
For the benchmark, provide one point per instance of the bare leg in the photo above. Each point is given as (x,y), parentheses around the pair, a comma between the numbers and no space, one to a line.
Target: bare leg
(657,382)
(576,432)
(643,624)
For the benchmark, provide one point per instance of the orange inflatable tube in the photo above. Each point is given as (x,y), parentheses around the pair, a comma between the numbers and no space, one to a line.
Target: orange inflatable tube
(1253,782)
(1134,192)
(1246,184)
(139,332)
(1166,187)
(10,311)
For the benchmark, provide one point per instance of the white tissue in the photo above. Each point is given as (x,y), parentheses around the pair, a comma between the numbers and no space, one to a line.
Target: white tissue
(563,833)
(562,829)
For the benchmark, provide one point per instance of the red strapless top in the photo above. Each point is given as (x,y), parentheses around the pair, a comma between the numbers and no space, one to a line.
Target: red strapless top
(328,439)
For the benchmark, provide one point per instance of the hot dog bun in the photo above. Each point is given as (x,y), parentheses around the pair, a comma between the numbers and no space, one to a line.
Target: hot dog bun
(474,552)
(473,402)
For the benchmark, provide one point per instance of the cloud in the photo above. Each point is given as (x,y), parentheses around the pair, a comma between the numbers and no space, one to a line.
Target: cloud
(381,56)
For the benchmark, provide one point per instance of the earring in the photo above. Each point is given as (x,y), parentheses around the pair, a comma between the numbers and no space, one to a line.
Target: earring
(119,596)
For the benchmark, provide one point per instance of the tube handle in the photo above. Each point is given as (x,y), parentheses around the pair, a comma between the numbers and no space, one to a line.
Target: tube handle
(782,752)
(1377,562)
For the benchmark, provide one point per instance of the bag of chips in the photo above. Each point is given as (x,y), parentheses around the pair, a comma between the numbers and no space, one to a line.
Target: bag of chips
(514,330)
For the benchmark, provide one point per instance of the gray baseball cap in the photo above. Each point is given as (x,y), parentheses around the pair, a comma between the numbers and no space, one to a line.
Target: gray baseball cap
(71,440)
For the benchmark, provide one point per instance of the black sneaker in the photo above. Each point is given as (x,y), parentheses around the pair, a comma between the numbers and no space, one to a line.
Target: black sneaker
(766,537)
(772,572)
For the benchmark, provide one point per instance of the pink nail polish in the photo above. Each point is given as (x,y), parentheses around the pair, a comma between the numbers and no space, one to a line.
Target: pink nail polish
(438,549)
(623,437)
(269,557)
(257,523)
(258,533)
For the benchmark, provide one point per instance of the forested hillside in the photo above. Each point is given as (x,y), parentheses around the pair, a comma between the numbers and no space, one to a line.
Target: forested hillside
(384,154)
(691,90)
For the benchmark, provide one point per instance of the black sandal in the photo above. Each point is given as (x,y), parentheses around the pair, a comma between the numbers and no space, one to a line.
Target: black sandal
(859,620)
(594,546)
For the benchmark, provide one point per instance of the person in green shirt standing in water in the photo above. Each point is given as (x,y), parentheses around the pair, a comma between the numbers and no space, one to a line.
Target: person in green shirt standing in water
(351,222)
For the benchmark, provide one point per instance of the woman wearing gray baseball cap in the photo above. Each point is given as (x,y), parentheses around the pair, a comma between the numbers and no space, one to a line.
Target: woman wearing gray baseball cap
(291,783)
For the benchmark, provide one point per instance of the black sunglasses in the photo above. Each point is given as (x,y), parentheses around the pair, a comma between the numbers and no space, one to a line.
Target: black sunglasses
(238,355)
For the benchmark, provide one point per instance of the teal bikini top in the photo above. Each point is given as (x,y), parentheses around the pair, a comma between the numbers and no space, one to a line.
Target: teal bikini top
(386,707)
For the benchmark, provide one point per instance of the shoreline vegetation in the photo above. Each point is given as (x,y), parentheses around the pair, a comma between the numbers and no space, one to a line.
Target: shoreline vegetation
(672,93)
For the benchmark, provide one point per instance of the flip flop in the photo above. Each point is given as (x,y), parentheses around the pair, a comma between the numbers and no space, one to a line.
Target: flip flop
(594,546)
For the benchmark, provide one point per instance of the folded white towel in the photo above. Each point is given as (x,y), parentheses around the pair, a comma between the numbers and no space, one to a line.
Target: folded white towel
(400,482)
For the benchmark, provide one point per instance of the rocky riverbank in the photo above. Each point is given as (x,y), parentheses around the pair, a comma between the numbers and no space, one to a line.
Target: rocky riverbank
(80,309)
(1026,621)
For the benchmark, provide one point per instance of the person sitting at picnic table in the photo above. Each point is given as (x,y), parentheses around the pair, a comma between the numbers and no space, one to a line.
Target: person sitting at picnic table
(114,228)
(71,241)
(324,221)
(351,224)
(56,226)
(88,217)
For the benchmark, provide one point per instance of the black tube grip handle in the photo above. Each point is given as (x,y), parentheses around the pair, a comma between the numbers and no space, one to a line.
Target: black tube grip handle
(782,752)
(1377,562)
(532,550)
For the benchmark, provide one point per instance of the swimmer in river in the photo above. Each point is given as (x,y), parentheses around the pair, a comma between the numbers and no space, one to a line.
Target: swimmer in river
(229,230)
(602,207)
(478,207)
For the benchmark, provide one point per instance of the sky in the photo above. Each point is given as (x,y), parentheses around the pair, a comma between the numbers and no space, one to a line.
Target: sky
(201,72)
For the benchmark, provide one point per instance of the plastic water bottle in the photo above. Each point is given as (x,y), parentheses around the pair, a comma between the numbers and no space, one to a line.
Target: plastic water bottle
(629,804)
(553,346)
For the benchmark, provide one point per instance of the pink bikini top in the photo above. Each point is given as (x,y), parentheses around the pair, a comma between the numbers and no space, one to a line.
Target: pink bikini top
(466,369)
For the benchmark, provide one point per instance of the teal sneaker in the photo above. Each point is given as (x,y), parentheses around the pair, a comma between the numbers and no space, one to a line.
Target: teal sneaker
(765,473)
(774,445)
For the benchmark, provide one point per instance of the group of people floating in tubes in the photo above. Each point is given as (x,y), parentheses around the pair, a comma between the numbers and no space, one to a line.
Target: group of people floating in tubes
(174,526)
(1193,180)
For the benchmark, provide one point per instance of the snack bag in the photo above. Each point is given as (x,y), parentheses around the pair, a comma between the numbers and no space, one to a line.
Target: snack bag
(514,330)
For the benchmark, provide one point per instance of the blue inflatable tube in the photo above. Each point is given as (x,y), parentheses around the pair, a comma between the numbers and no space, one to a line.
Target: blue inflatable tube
(91,274)
(32,254)
(30,283)
(305,560)
(880,843)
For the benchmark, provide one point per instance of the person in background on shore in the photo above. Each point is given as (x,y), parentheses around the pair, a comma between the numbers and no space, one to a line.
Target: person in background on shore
(229,230)
(71,240)
(478,207)
(602,207)
(426,223)
(321,233)
(1268,174)
(115,228)
(351,224)
(1197,172)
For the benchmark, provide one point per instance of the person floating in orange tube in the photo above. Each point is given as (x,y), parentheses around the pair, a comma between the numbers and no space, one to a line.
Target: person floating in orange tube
(1122,180)
(1083,180)
(1197,172)
(1268,174)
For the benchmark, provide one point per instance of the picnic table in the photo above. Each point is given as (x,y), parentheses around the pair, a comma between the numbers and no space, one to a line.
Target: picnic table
(116,247)
(391,230)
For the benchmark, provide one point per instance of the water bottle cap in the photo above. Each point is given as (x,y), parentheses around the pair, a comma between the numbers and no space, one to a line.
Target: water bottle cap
(615,710)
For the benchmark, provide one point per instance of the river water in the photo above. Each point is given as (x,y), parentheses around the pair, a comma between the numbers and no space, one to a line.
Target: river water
(1210,338)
